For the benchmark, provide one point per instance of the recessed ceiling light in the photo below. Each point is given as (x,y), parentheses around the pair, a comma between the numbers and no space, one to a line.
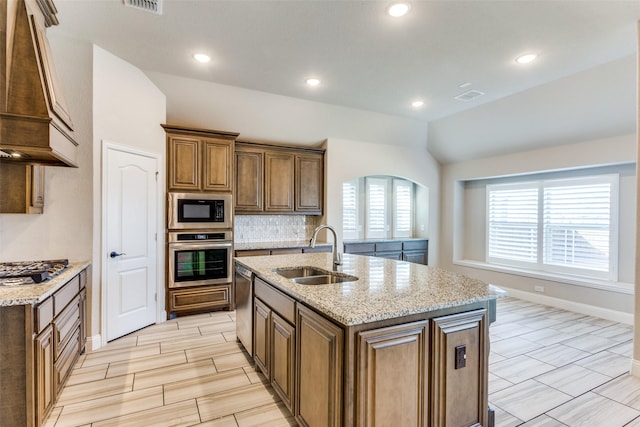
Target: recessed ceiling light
(417,104)
(313,82)
(201,57)
(398,9)
(526,58)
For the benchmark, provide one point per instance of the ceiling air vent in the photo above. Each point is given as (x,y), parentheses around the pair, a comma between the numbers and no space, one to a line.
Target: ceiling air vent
(469,95)
(153,6)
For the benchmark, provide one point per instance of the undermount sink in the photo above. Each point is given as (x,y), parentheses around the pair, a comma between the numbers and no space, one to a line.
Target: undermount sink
(313,276)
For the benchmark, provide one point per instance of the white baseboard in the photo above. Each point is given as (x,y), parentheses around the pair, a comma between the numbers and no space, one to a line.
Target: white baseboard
(591,310)
(635,368)
(94,342)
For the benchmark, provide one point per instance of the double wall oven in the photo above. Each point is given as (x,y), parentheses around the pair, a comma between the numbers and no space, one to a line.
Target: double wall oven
(199,252)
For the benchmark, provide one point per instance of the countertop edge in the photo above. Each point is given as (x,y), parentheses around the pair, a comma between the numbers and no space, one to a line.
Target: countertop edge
(34,294)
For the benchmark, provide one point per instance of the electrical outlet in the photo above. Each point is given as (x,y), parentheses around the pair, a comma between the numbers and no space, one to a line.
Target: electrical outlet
(538,288)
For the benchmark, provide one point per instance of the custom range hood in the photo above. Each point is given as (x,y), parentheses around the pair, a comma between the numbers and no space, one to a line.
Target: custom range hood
(35,125)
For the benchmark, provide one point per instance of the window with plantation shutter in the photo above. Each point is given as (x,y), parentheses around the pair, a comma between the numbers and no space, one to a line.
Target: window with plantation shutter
(376,207)
(403,208)
(565,226)
(350,209)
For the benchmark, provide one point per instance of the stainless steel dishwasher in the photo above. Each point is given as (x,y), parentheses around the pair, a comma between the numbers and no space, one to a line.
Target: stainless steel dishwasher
(244,307)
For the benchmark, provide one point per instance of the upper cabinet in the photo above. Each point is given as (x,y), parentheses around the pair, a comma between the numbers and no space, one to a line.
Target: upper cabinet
(199,159)
(278,179)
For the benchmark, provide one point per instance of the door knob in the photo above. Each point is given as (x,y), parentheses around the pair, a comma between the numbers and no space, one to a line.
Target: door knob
(114,254)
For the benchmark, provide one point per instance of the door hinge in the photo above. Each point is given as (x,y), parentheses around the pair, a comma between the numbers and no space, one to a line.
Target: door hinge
(156,236)
(155,297)
(157,175)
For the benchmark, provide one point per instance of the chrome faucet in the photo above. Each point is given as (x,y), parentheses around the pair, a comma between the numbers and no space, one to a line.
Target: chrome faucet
(337,256)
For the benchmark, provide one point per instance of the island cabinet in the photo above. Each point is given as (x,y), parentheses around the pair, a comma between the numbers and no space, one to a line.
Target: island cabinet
(425,369)
(199,160)
(274,339)
(278,179)
(39,345)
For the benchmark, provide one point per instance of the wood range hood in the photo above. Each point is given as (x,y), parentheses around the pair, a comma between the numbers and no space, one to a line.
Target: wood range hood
(35,125)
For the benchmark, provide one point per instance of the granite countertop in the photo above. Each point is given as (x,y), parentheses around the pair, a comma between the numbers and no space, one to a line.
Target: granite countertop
(33,294)
(289,244)
(385,289)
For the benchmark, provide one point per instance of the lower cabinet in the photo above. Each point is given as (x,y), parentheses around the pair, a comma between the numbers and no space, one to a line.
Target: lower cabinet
(261,336)
(283,354)
(415,250)
(460,370)
(392,375)
(203,298)
(319,357)
(45,390)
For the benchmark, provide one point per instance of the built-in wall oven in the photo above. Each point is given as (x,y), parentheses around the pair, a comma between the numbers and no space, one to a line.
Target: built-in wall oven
(189,211)
(198,258)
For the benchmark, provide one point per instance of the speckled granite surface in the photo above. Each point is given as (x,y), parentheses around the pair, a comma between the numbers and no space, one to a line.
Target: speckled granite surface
(276,245)
(385,288)
(33,294)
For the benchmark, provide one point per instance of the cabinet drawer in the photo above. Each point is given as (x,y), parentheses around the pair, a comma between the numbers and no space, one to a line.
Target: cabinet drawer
(64,295)
(65,325)
(185,300)
(310,250)
(64,364)
(360,248)
(285,251)
(253,252)
(278,301)
(415,245)
(44,315)
(389,247)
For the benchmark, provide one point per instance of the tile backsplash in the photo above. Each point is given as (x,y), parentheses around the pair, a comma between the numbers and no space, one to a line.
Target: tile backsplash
(273,228)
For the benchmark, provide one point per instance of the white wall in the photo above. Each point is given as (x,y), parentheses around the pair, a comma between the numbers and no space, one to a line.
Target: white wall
(348,159)
(608,151)
(64,229)
(276,118)
(128,110)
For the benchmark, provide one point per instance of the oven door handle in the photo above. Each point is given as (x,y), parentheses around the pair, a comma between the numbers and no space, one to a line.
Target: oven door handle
(200,245)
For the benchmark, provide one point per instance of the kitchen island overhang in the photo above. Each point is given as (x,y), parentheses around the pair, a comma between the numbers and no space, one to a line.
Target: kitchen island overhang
(404,341)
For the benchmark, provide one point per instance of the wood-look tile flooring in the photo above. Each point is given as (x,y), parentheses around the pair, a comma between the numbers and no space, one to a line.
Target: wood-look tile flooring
(548,367)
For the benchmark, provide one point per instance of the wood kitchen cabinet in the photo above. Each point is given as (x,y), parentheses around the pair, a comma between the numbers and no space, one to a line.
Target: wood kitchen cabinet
(278,179)
(274,339)
(39,345)
(392,375)
(414,250)
(22,188)
(460,369)
(199,160)
(319,357)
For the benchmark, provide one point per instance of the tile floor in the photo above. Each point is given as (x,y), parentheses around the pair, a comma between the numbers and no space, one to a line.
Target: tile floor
(548,367)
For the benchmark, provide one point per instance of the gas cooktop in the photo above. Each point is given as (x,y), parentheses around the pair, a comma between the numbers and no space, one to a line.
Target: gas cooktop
(30,272)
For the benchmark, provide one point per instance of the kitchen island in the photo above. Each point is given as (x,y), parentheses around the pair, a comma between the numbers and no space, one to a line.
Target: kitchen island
(397,343)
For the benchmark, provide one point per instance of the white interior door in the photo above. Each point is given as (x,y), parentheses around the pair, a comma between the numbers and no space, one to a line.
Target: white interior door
(130,206)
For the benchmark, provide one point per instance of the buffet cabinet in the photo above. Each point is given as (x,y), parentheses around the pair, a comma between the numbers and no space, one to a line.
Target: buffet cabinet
(278,179)
(413,250)
(199,160)
(39,347)
(429,369)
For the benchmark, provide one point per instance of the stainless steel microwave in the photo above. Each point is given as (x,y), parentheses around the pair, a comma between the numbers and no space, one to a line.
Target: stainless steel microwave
(199,211)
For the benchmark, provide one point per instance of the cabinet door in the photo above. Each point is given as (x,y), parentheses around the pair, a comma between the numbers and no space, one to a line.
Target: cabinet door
(418,257)
(44,375)
(283,359)
(183,163)
(392,370)
(249,181)
(460,364)
(83,320)
(278,182)
(309,184)
(319,357)
(218,162)
(261,335)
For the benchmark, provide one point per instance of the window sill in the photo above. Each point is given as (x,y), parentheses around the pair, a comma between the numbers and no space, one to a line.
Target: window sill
(620,287)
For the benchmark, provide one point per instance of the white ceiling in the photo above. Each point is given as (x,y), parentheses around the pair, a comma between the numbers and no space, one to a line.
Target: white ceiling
(370,61)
